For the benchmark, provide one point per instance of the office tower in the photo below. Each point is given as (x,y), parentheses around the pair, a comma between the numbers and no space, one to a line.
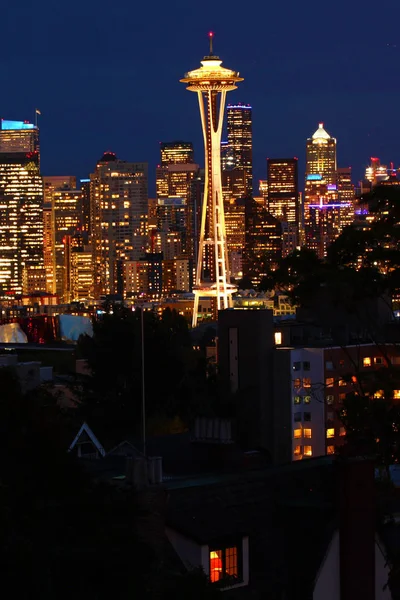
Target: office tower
(263,245)
(21,204)
(283,199)
(118,220)
(85,190)
(212,274)
(171,214)
(263,190)
(228,161)
(174,177)
(175,153)
(235,235)
(324,214)
(80,272)
(62,219)
(240,141)
(321,155)
(19,136)
(144,277)
(346,195)
(376,173)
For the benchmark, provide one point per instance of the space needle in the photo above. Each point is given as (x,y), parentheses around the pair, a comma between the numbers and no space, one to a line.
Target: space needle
(212,271)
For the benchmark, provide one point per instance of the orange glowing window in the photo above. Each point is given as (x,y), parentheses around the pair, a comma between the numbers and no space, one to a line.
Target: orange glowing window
(367,361)
(330,449)
(329,381)
(306,382)
(223,563)
(297,450)
(396,394)
(297,433)
(307,450)
(307,433)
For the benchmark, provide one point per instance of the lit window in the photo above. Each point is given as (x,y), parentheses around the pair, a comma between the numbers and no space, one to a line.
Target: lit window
(342,397)
(396,394)
(278,338)
(297,450)
(378,360)
(367,361)
(330,449)
(329,365)
(307,399)
(223,563)
(297,400)
(306,365)
(330,399)
(297,382)
(330,433)
(379,394)
(307,450)
(329,382)
(307,433)
(307,416)
(296,366)
(297,417)
(306,382)
(342,431)
(297,433)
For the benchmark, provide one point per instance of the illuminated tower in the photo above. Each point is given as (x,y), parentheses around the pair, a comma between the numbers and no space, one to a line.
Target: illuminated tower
(240,140)
(212,273)
(321,155)
(21,202)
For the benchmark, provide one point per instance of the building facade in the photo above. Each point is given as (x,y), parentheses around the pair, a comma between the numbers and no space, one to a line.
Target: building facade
(283,199)
(21,203)
(118,223)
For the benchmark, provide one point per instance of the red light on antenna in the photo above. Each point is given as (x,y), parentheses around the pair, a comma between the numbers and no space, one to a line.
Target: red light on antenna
(210,34)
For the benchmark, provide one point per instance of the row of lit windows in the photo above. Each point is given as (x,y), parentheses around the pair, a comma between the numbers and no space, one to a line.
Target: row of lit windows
(304,432)
(302,450)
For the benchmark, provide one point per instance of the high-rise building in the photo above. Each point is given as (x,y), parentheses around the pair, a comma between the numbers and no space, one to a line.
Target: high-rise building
(118,220)
(81,288)
(235,235)
(21,205)
(321,155)
(324,214)
(263,241)
(212,274)
(283,200)
(85,189)
(175,153)
(19,136)
(174,177)
(375,172)
(62,220)
(144,277)
(240,141)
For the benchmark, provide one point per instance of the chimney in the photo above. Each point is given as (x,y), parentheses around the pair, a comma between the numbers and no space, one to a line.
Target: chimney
(356,487)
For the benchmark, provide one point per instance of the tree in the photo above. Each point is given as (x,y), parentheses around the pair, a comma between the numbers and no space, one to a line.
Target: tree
(64,535)
(175,374)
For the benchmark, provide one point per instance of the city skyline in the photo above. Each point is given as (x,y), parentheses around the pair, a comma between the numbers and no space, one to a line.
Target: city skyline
(288,99)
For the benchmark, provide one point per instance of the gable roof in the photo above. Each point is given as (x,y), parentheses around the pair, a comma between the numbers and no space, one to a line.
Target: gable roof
(86,434)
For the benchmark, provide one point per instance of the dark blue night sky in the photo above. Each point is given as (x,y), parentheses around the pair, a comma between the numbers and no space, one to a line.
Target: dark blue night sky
(105,75)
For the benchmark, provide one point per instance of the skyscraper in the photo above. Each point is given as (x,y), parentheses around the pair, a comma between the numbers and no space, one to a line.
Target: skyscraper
(118,220)
(174,178)
(321,155)
(212,274)
(283,199)
(176,153)
(240,141)
(21,206)
(62,218)
(262,244)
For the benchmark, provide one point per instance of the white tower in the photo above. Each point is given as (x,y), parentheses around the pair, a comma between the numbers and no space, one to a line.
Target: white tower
(212,272)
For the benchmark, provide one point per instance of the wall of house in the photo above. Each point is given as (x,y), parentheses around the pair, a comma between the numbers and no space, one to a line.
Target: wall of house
(327,586)
(381,574)
(282,406)
(190,553)
(314,357)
